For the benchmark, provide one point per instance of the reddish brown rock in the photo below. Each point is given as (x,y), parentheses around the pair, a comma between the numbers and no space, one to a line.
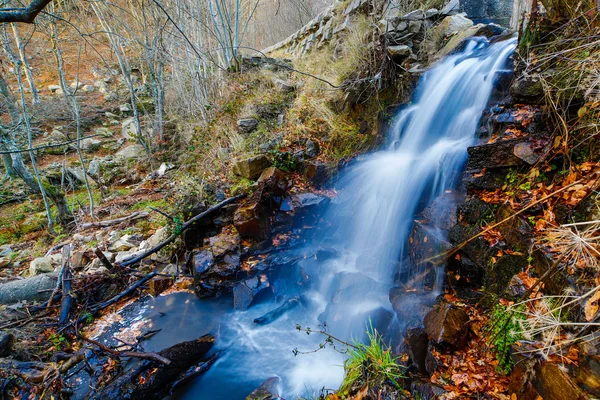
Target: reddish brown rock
(448,324)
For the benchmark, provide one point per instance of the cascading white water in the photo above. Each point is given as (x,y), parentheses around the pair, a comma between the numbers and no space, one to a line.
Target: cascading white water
(426,152)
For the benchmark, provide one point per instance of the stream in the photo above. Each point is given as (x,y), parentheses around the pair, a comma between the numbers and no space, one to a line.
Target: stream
(370,224)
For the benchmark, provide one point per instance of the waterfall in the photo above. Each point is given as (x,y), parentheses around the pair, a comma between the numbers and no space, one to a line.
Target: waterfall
(379,196)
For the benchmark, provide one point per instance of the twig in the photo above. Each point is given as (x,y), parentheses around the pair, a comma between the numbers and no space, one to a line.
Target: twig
(103,259)
(110,222)
(48,146)
(164,214)
(121,295)
(133,354)
(67,299)
(183,228)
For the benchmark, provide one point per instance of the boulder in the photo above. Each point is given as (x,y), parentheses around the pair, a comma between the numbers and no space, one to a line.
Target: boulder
(252,167)
(88,88)
(104,132)
(447,324)
(125,108)
(282,85)
(399,52)
(131,152)
(451,7)
(53,88)
(90,145)
(247,125)
(36,288)
(40,266)
(451,25)
(128,129)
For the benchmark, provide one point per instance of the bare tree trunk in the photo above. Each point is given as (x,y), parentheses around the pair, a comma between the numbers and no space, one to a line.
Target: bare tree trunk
(28,75)
(125,70)
(36,184)
(74,105)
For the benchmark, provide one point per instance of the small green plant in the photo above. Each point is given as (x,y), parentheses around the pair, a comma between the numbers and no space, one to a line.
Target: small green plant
(284,161)
(371,363)
(58,341)
(503,330)
(88,318)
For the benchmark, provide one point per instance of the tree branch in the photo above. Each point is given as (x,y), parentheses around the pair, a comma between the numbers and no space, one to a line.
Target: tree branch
(26,15)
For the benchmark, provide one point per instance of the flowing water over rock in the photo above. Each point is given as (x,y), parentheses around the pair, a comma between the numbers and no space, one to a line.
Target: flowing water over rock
(371,219)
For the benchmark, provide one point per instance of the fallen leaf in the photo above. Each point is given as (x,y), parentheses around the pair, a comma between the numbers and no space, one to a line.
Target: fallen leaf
(591,307)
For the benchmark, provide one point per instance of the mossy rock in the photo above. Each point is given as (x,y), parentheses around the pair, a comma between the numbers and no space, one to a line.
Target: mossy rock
(33,223)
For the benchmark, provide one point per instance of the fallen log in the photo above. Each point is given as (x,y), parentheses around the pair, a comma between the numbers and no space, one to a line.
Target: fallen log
(147,379)
(111,222)
(184,227)
(193,372)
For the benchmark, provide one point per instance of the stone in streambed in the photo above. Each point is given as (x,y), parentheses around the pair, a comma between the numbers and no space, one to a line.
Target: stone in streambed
(448,324)
(266,391)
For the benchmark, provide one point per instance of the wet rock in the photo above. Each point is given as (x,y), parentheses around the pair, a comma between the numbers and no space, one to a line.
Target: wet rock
(418,342)
(6,342)
(272,181)
(488,180)
(251,220)
(217,265)
(499,274)
(276,313)
(443,211)
(448,324)
(426,242)
(266,391)
(40,266)
(247,125)
(37,288)
(316,173)
(251,168)
(527,90)
(505,153)
(304,201)
(516,232)
(159,284)
(250,290)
